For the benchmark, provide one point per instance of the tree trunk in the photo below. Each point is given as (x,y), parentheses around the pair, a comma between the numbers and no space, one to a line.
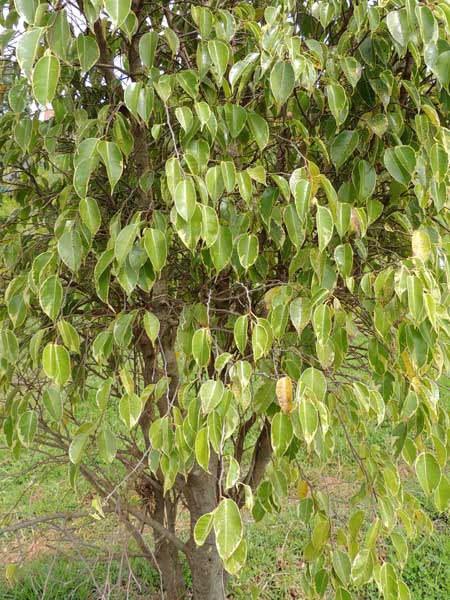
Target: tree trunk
(208,577)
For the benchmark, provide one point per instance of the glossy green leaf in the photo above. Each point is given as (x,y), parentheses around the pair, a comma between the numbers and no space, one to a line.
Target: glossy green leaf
(88,52)
(51,296)
(147,48)
(227,527)
(343,147)
(26,49)
(324,220)
(130,408)
(45,79)
(201,347)
(428,472)
(247,248)
(400,162)
(282,81)
(203,528)
(155,244)
(112,159)
(27,427)
(185,198)
(117,10)
(70,249)
(56,363)
(219,52)
(281,433)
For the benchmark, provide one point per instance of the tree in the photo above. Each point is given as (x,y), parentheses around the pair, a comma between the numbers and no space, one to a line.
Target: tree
(224,246)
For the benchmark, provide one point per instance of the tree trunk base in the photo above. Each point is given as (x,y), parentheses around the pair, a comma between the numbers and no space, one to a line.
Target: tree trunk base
(208,576)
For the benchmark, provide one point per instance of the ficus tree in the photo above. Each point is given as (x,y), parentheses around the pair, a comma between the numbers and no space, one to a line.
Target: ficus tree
(224,262)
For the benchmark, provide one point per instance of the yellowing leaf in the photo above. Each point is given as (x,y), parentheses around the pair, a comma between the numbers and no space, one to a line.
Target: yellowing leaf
(284,394)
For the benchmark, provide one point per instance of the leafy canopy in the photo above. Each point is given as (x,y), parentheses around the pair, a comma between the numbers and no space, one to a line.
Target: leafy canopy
(225,248)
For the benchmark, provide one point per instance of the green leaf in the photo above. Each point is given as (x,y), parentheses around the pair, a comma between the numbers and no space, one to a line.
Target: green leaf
(27,427)
(227,527)
(343,147)
(77,448)
(69,336)
(300,313)
(247,248)
(9,347)
(102,395)
(210,225)
(222,248)
(442,68)
(147,48)
(45,79)
(235,118)
(309,418)
(261,340)
(124,242)
(90,214)
(315,381)
(26,49)
(151,325)
(343,255)
(303,196)
(398,25)
(56,363)
(203,528)
(107,445)
(241,333)
(282,81)
(201,448)
(201,347)
(211,393)
(281,433)
(70,249)
(185,198)
(401,163)
(228,174)
(428,472)
(322,322)
(112,159)
(342,566)
(232,473)
(352,69)
(220,54)
(237,560)
(259,129)
(130,408)
(324,221)
(184,117)
(27,9)
(439,161)
(117,10)
(53,402)
(415,298)
(122,330)
(364,179)
(88,52)
(155,244)
(51,296)
(338,102)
